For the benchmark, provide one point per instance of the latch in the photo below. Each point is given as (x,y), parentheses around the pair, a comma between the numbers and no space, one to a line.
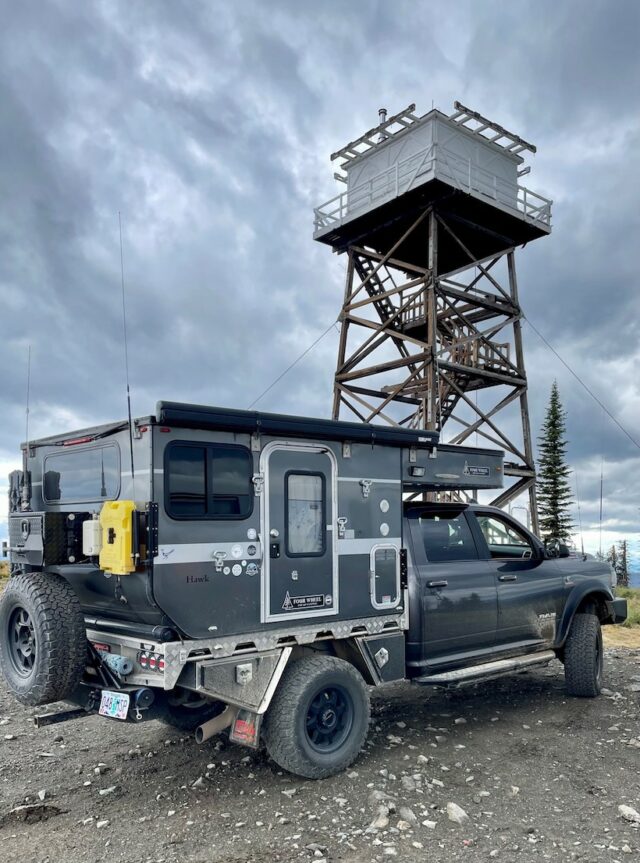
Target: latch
(258,483)
(366,484)
(342,526)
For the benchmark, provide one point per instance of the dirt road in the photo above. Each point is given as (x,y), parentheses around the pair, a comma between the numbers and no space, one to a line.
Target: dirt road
(539,776)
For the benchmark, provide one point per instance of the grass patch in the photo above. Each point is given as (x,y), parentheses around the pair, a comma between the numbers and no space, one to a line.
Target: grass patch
(4,573)
(632,595)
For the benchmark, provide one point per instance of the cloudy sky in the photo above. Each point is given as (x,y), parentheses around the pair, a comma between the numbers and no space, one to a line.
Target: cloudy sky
(208,125)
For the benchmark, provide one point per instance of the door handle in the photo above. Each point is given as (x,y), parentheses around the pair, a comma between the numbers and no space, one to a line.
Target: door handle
(437,583)
(507,578)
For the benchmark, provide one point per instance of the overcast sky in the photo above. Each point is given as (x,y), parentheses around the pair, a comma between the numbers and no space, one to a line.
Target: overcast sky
(209,126)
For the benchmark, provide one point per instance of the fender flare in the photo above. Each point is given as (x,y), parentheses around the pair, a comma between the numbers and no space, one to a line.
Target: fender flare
(592,588)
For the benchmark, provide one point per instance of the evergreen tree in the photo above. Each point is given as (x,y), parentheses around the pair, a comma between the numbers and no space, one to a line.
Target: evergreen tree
(621,564)
(554,491)
(612,557)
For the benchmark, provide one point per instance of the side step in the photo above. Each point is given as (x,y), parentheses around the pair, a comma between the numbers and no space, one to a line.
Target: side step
(474,673)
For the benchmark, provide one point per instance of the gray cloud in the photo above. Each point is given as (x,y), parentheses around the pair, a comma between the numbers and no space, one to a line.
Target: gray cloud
(209,126)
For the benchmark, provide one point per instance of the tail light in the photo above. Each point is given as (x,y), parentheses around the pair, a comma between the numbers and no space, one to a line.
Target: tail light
(151,661)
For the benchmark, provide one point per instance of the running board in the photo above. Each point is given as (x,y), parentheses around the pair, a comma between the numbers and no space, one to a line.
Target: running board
(474,673)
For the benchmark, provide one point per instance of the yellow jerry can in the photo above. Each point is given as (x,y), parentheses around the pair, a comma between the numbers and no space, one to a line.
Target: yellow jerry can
(116,521)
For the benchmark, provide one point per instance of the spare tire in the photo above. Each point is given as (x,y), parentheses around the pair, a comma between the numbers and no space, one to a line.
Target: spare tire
(43,641)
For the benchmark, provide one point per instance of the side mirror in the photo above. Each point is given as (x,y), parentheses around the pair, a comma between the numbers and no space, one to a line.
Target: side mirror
(555,548)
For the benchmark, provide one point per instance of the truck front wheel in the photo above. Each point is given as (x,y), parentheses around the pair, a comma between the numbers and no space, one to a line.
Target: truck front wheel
(43,642)
(583,657)
(318,719)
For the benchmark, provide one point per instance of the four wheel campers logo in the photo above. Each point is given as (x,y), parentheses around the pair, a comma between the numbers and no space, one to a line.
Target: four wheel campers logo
(475,470)
(315,600)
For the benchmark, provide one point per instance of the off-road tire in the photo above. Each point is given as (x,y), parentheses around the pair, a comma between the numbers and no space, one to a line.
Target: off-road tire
(583,657)
(52,612)
(285,730)
(186,718)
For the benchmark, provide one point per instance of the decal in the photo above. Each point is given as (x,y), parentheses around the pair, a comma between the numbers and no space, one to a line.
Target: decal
(315,600)
(476,470)
(165,552)
(197,579)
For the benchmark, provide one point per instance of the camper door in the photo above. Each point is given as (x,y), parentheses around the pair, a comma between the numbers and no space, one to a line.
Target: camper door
(300,571)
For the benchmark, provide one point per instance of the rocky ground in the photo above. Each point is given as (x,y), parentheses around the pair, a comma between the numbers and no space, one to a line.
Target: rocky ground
(512,770)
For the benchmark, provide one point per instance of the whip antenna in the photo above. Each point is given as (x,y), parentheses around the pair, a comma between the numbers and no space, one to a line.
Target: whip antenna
(126,356)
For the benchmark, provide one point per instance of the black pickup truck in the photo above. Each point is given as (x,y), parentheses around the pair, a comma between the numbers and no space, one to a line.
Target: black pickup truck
(219,569)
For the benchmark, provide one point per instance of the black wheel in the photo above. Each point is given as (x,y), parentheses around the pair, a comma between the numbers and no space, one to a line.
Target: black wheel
(43,642)
(318,719)
(583,657)
(186,710)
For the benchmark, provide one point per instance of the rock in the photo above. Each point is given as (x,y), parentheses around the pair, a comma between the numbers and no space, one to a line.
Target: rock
(390,851)
(103,792)
(460,721)
(456,814)
(430,825)
(403,825)
(407,814)
(408,783)
(199,783)
(381,821)
(629,814)
(289,792)
(417,845)
(103,823)
(30,813)
(41,795)
(514,791)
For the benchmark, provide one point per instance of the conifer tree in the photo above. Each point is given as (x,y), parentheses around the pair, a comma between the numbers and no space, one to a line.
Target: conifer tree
(554,491)
(612,557)
(621,564)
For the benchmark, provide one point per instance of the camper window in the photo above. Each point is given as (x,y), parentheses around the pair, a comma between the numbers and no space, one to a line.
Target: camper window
(208,481)
(305,514)
(81,475)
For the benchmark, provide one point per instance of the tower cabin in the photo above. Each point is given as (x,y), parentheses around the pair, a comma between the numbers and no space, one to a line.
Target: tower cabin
(463,166)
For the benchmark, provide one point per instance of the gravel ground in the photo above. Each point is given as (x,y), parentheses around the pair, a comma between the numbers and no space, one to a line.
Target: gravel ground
(537,775)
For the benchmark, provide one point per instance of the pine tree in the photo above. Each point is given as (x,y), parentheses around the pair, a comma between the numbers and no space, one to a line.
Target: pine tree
(554,491)
(621,564)
(612,557)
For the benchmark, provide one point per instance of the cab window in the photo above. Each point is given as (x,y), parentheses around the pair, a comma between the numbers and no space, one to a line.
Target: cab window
(447,536)
(504,540)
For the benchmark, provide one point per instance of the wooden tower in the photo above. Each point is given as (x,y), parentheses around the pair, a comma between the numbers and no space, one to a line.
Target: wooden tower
(430,218)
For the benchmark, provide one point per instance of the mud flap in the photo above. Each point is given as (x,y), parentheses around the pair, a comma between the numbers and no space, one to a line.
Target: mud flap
(245,728)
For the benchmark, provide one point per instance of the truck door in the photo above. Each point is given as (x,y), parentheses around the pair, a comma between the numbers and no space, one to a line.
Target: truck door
(531,590)
(456,589)
(300,572)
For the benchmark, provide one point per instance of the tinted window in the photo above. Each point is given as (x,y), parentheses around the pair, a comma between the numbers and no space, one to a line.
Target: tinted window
(503,539)
(305,514)
(188,480)
(82,475)
(208,481)
(447,536)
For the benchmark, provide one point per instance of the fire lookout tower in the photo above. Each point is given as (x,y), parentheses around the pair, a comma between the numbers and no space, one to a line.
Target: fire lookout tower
(431,322)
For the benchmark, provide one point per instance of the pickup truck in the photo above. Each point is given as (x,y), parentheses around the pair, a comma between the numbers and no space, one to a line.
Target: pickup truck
(224,570)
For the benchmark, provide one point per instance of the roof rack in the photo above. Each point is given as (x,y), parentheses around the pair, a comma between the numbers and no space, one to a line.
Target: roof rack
(404,119)
(513,143)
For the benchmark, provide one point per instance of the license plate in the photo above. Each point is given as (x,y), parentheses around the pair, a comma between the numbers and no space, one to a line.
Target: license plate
(114,704)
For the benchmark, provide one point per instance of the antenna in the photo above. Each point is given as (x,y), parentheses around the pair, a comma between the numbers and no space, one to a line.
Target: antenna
(575,475)
(25,491)
(26,437)
(126,356)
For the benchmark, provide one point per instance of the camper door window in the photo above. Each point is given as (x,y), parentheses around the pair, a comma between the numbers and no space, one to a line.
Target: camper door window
(210,481)
(82,475)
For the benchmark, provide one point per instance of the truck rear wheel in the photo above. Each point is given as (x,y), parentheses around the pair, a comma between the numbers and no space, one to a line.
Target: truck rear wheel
(583,657)
(318,720)
(43,642)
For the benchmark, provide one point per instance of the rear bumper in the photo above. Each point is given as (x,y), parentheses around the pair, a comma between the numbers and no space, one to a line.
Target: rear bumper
(617,609)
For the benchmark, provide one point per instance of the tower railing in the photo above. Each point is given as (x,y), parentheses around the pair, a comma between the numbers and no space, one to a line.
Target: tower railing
(442,163)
